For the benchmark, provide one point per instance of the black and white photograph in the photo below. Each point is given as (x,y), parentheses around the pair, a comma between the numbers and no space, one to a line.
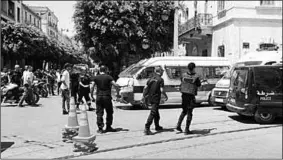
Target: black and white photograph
(141,79)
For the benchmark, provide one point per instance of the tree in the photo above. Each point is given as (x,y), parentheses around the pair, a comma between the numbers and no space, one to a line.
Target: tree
(26,41)
(109,30)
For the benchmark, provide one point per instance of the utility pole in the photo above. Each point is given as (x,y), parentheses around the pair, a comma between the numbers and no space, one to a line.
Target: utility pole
(176,30)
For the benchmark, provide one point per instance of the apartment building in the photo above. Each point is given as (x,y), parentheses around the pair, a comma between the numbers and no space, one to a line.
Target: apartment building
(11,11)
(230,28)
(30,18)
(49,21)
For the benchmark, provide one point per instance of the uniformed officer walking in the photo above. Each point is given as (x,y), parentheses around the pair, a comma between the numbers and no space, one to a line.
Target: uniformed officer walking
(152,94)
(189,84)
(104,84)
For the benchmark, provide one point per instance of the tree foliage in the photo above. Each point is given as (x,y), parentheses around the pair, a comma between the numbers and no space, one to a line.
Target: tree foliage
(109,29)
(27,41)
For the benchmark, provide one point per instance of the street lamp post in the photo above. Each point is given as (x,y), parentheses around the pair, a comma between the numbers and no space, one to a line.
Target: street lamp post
(175,37)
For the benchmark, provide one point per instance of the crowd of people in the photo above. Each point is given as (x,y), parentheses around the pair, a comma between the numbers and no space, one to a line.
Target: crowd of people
(77,84)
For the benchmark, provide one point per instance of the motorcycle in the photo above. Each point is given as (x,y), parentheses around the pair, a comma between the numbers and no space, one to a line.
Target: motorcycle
(41,88)
(11,93)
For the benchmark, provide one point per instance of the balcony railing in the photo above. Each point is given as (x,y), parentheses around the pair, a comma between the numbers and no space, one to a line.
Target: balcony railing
(201,19)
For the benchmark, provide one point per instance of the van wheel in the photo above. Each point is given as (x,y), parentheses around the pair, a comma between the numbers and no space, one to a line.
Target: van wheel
(264,117)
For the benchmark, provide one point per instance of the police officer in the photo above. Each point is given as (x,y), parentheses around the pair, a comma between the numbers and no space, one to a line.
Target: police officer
(104,82)
(74,85)
(189,83)
(155,87)
(84,90)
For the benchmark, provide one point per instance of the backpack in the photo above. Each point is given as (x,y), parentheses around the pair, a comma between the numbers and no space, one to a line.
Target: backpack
(188,84)
(150,91)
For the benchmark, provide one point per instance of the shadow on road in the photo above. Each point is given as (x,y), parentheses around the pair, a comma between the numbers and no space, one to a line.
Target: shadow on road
(250,120)
(162,107)
(16,105)
(203,131)
(6,145)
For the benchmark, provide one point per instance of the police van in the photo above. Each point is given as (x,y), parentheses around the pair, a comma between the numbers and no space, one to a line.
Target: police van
(133,79)
(219,94)
(256,91)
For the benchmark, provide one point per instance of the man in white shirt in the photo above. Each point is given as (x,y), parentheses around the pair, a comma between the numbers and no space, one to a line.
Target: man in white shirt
(65,87)
(28,78)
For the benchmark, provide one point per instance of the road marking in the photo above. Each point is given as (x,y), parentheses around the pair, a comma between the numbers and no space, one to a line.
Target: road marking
(163,141)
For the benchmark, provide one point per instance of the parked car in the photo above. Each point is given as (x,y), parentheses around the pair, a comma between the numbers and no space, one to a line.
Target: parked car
(256,91)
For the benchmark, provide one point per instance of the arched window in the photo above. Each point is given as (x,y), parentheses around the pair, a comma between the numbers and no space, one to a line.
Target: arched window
(221,51)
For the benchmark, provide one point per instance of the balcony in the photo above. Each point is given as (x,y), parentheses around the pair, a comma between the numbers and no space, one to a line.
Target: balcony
(201,21)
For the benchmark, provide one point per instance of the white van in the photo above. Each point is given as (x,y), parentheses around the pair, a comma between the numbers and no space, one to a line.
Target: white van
(220,92)
(134,78)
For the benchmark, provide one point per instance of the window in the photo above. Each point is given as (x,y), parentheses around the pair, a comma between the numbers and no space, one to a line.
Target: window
(246,45)
(4,6)
(220,5)
(11,11)
(206,72)
(18,14)
(187,14)
(30,18)
(268,80)
(264,2)
(34,21)
(239,78)
(26,16)
(147,72)
(221,51)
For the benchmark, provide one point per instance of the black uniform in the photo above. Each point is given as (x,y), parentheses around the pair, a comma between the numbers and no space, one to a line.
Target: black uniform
(16,77)
(155,94)
(188,102)
(103,100)
(84,91)
(74,79)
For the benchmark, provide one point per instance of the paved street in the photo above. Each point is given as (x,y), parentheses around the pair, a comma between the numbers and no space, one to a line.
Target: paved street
(36,132)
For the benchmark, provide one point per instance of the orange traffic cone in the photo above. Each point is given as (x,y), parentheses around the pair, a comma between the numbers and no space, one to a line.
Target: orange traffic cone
(71,129)
(85,141)
(72,118)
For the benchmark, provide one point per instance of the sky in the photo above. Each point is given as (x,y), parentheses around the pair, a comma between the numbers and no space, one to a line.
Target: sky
(64,10)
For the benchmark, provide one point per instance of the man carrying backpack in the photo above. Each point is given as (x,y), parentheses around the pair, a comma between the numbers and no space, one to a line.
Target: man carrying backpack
(189,84)
(152,94)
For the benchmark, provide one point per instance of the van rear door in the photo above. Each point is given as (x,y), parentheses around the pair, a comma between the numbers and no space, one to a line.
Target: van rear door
(268,81)
(238,90)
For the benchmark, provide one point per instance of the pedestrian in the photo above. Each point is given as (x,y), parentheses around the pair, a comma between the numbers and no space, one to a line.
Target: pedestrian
(58,81)
(104,82)
(65,87)
(28,78)
(4,76)
(16,76)
(84,90)
(51,81)
(190,81)
(152,92)
(75,79)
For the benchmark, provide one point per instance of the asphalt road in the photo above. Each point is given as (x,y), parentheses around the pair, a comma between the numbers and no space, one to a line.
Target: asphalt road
(36,132)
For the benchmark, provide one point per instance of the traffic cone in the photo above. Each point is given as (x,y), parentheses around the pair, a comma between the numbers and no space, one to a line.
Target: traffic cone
(84,141)
(71,129)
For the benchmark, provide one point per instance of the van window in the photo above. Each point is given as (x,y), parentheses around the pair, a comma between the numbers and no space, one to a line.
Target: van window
(248,63)
(239,78)
(130,71)
(268,80)
(174,72)
(147,72)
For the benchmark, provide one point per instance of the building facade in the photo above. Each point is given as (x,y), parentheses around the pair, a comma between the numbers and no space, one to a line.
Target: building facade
(29,17)
(230,28)
(49,21)
(11,11)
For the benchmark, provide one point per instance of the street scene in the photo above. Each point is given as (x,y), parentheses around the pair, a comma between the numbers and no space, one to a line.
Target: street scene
(141,79)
